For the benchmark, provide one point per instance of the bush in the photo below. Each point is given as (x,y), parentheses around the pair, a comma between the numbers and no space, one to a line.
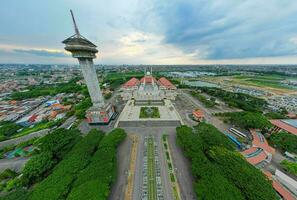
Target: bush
(291,167)
(208,103)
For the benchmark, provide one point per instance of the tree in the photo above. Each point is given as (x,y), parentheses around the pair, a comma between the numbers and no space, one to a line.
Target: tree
(284,141)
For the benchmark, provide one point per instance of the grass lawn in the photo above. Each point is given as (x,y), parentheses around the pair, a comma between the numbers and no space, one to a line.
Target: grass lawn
(273,81)
(149,112)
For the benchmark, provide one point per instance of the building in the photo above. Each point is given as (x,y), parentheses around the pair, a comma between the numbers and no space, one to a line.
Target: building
(148,88)
(148,94)
(198,115)
(85,51)
(288,125)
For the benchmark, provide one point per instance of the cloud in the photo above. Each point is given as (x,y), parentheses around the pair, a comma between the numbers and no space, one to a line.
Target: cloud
(42,52)
(227,29)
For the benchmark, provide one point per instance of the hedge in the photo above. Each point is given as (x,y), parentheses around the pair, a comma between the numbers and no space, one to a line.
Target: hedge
(57,185)
(95,180)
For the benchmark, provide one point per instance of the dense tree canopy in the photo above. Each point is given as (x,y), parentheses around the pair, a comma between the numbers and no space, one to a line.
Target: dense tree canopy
(284,141)
(58,183)
(52,148)
(237,100)
(44,90)
(220,172)
(247,119)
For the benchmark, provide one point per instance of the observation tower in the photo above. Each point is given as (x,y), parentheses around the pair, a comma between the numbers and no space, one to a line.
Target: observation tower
(85,51)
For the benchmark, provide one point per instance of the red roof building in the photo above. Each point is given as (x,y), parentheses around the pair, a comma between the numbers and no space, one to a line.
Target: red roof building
(198,114)
(166,83)
(285,125)
(260,141)
(285,194)
(148,80)
(131,83)
(255,155)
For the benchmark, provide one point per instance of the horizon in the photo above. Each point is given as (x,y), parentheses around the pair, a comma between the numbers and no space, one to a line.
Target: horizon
(152,32)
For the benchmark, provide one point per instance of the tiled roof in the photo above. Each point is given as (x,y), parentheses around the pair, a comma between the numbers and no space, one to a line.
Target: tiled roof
(254,159)
(131,83)
(166,83)
(286,195)
(284,126)
(198,113)
(148,79)
(260,141)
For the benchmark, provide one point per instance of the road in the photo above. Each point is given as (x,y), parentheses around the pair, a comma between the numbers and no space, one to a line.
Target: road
(123,161)
(15,164)
(207,113)
(182,165)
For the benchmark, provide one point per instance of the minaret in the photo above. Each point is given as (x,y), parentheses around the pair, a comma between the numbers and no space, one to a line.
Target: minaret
(85,51)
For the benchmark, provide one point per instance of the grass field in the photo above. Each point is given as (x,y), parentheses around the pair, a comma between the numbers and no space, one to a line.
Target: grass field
(152,185)
(273,81)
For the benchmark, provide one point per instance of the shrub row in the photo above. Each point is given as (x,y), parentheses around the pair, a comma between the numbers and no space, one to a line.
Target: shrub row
(95,180)
(57,185)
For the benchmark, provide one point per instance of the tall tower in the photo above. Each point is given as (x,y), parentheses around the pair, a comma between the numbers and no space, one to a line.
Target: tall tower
(85,51)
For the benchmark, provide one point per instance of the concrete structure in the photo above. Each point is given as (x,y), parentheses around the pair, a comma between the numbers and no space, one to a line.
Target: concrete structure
(85,51)
(129,117)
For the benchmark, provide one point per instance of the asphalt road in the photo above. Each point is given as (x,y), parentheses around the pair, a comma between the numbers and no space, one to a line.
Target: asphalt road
(123,161)
(183,171)
(15,164)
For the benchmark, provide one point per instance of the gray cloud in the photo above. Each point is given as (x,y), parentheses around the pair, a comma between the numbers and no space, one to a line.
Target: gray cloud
(44,53)
(228,29)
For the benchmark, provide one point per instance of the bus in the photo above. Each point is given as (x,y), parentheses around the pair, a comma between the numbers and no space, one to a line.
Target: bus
(237,132)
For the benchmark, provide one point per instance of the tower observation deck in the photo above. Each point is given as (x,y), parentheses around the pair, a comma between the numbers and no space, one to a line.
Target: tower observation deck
(85,51)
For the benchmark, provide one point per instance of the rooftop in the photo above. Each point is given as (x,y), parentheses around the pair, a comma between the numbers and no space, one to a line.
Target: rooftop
(289,125)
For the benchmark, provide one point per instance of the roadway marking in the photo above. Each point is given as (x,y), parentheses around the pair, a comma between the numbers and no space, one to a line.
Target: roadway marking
(130,181)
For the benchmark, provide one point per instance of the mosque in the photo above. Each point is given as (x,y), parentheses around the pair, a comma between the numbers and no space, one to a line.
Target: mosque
(148,90)
(148,95)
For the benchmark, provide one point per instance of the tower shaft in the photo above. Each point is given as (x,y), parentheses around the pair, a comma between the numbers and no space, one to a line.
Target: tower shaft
(90,77)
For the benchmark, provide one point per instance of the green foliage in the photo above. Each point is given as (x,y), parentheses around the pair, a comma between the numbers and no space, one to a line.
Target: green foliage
(52,148)
(275,115)
(81,107)
(70,87)
(144,112)
(208,103)
(8,129)
(291,167)
(57,185)
(19,194)
(247,119)
(238,100)
(284,141)
(6,174)
(252,182)
(95,180)
(219,171)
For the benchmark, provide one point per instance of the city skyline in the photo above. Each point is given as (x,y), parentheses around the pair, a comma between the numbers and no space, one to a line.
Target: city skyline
(153,32)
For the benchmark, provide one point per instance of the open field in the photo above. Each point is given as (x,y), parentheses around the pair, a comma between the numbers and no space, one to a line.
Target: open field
(270,83)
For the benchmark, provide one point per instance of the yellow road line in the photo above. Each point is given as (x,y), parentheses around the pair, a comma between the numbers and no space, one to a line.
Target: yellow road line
(130,182)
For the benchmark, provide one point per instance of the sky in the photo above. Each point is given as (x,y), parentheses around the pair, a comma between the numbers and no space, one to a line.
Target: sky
(152,31)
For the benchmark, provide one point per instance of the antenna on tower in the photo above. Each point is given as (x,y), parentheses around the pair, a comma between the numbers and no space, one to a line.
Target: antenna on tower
(74,23)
